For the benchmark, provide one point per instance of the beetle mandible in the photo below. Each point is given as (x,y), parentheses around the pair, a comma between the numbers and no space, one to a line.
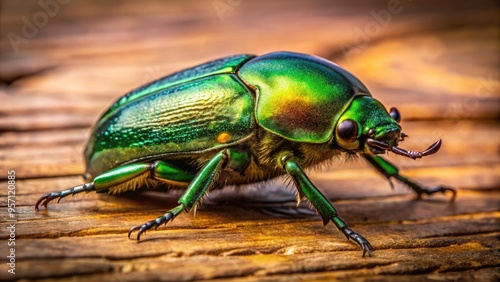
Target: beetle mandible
(239,120)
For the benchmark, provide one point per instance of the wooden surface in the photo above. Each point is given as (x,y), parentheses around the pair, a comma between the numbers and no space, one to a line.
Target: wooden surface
(438,63)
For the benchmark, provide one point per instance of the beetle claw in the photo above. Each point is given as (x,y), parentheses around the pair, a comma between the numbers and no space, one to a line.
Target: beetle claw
(366,247)
(132,230)
(45,199)
(142,229)
(429,191)
(169,216)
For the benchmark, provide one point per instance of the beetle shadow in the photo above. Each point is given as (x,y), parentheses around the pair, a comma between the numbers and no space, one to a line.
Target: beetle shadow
(272,200)
(280,202)
(143,199)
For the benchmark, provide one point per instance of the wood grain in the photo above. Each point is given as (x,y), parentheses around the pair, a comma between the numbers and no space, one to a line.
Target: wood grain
(437,62)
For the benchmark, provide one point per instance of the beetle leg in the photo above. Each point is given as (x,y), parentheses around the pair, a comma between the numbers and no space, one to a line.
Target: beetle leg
(389,170)
(119,179)
(321,203)
(101,183)
(45,199)
(205,179)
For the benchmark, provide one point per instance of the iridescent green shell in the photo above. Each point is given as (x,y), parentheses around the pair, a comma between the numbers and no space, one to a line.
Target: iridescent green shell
(202,108)
(218,104)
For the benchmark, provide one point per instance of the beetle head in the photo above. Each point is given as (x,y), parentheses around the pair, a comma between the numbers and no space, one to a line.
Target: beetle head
(367,127)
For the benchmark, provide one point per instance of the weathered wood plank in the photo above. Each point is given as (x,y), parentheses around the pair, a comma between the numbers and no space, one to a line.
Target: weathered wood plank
(172,268)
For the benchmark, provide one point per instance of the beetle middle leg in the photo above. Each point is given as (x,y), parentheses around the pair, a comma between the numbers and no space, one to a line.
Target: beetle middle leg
(389,170)
(307,189)
(205,179)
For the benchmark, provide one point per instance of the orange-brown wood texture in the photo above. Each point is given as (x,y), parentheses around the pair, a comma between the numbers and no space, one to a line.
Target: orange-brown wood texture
(63,62)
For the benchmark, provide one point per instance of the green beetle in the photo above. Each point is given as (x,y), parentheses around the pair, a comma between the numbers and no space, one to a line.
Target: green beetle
(240,120)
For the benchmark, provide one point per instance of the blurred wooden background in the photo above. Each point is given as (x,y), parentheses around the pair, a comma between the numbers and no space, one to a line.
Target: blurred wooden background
(63,62)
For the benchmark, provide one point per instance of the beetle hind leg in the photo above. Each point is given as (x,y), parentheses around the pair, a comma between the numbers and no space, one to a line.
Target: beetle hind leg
(389,170)
(47,198)
(124,178)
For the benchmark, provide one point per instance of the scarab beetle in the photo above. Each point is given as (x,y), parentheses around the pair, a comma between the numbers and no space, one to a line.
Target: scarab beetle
(240,120)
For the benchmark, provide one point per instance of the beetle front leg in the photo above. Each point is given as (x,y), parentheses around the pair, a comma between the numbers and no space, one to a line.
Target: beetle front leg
(389,170)
(205,179)
(307,189)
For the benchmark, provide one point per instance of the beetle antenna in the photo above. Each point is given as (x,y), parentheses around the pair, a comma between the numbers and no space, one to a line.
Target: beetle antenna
(400,151)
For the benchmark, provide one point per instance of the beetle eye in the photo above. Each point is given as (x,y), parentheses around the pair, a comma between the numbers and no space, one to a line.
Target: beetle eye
(347,130)
(395,114)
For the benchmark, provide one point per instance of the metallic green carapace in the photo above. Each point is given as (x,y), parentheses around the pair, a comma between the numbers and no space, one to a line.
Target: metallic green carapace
(181,119)
(183,112)
(240,120)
